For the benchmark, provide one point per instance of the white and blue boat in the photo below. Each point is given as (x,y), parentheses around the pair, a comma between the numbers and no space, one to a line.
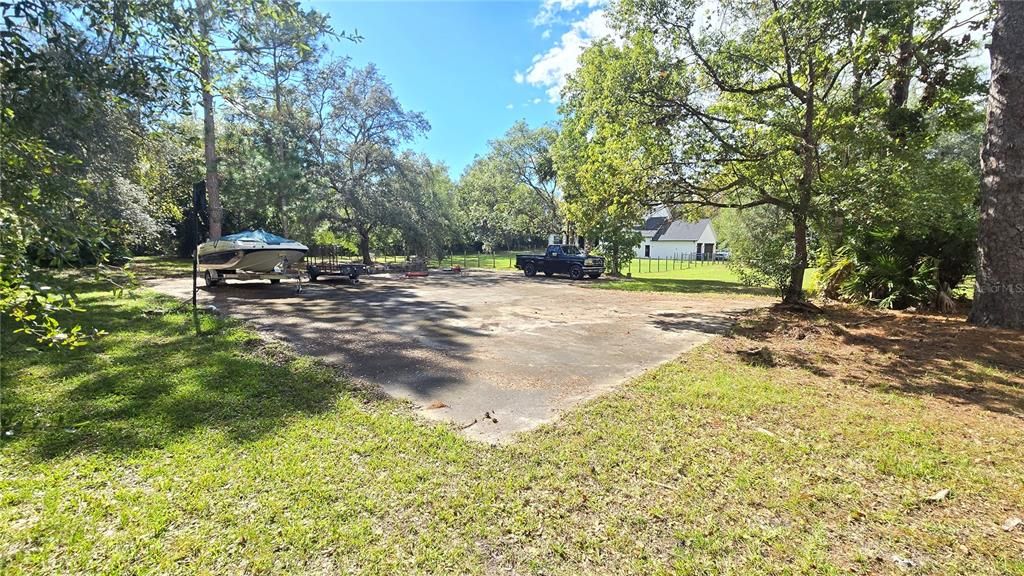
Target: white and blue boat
(255,251)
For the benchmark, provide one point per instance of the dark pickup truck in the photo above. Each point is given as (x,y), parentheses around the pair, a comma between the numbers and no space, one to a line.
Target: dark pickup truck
(561,259)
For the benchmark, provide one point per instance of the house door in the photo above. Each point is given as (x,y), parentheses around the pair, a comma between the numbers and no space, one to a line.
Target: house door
(647,251)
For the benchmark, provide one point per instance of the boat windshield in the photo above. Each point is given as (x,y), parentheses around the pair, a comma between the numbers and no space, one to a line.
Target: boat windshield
(257,236)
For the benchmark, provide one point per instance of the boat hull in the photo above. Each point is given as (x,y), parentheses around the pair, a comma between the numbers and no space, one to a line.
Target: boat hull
(249,258)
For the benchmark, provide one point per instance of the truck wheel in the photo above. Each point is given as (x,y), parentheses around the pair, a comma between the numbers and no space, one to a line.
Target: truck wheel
(313,272)
(576,273)
(530,269)
(595,275)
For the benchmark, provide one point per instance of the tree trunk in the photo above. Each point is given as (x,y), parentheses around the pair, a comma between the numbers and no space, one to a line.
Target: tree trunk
(277,134)
(899,92)
(999,284)
(209,133)
(795,291)
(364,247)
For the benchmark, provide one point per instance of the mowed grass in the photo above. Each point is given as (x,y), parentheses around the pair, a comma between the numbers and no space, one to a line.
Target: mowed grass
(154,451)
(694,278)
(505,260)
(160,266)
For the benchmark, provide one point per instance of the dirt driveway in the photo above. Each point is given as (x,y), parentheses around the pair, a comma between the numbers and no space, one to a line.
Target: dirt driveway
(521,349)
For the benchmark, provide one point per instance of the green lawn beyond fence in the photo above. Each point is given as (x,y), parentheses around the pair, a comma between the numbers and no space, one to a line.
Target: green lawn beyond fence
(506,261)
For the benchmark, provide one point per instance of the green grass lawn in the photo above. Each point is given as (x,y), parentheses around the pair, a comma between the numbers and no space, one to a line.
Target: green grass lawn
(155,266)
(154,451)
(497,261)
(694,278)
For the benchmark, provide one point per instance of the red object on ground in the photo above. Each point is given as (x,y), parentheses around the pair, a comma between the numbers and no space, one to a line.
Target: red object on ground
(416,274)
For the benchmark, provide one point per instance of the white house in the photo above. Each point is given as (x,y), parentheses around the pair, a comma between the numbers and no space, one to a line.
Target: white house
(664,237)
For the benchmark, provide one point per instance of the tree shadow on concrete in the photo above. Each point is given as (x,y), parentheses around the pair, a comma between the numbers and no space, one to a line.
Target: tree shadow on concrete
(383,332)
(153,380)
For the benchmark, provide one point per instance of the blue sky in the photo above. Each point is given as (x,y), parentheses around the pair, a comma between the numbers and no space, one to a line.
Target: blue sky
(472,67)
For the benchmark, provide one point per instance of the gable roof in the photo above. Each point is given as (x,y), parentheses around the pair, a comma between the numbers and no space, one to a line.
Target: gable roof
(680,230)
(653,223)
(659,225)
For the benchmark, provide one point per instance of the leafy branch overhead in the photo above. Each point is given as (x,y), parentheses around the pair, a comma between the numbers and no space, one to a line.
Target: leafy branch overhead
(778,104)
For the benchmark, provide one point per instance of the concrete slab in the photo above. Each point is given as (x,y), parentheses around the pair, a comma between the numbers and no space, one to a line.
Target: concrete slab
(519,349)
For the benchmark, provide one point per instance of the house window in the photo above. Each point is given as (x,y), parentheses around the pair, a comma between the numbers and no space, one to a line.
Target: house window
(647,251)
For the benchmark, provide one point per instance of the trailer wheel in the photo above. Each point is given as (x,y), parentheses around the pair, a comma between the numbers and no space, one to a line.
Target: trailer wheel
(548,274)
(313,272)
(275,280)
(576,272)
(530,269)
(210,280)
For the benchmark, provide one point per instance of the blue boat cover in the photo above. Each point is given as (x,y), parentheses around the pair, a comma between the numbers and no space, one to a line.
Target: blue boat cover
(257,236)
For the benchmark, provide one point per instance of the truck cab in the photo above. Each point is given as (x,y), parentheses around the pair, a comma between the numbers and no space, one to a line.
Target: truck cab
(561,259)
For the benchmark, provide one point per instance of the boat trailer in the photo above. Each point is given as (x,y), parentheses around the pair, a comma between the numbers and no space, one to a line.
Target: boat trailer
(282,271)
(325,261)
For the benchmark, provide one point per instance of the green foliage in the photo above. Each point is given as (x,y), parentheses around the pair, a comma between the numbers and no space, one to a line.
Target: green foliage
(265,152)
(421,208)
(915,209)
(509,195)
(616,239)
(760,241)
(355,134)
(807,106)
(896,270)
(80,79)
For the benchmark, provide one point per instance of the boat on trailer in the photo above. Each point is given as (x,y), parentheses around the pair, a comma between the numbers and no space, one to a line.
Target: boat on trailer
(251,254)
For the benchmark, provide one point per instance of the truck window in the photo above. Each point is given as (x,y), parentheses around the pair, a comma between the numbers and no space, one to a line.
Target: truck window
(571,250)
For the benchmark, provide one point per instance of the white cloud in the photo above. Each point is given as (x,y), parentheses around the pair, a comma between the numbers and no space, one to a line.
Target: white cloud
(519,77)
(535,101)
(549,69)
(509,106)
(546,34)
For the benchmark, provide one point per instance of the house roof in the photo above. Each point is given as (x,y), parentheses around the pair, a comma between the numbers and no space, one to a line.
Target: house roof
(660,228)
(653,223)
(680,230)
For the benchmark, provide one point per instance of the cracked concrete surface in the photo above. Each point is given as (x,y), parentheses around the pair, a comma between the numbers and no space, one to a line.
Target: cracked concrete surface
(521,349)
